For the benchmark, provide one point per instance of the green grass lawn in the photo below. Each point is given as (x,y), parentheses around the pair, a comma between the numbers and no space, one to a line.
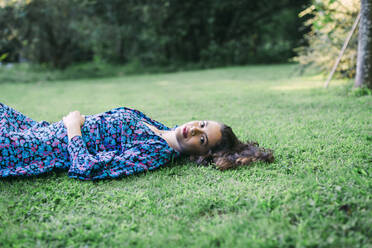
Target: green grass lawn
(316,194)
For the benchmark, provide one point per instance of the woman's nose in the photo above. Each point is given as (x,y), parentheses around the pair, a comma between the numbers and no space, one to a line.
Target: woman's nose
(194,131)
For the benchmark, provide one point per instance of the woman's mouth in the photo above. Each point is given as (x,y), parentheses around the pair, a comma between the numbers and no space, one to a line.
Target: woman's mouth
(184,132)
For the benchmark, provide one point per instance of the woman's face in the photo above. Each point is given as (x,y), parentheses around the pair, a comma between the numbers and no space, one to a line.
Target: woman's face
(197,137)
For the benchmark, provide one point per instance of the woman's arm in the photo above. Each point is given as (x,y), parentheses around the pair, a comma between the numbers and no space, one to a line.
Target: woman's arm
(73,122)
(113,164)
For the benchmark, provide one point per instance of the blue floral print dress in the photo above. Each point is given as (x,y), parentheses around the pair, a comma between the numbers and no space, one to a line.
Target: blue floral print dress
(113,144)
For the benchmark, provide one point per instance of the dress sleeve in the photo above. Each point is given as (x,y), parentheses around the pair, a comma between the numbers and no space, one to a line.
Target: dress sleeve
(113,164)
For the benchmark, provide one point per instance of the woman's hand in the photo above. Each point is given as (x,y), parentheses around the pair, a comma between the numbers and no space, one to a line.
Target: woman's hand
(73,122)
(73,119)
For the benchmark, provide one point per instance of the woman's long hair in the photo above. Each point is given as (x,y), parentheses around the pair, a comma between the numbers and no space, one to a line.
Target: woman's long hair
(230,152)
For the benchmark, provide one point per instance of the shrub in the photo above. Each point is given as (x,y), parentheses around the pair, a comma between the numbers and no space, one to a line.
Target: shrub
(330,23)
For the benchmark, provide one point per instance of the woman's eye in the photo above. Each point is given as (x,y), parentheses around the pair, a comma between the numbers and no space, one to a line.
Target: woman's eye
(202,140)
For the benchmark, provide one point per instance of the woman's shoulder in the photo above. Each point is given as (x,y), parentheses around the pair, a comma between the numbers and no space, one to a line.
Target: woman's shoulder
(158,147)
(142,117)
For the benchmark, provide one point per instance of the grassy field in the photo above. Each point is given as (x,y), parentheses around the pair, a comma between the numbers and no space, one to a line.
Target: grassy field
(316,194)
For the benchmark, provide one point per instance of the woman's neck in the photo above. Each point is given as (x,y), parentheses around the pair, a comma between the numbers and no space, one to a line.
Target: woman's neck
(168,135)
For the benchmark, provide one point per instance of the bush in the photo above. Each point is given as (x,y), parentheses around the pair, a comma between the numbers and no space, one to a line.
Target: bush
(330,23)
(60,33)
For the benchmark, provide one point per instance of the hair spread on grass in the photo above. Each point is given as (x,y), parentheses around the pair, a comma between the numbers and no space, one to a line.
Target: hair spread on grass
(230,152)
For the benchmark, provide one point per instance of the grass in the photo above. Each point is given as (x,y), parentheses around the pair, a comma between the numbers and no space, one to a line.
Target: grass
(31,73)
(316,194)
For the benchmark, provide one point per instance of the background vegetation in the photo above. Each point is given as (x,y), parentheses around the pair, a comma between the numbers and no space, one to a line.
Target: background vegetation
(316,194)
(330,21)
(59,33)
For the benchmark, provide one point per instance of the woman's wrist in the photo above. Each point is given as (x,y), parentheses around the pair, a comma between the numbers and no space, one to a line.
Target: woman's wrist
(73,130)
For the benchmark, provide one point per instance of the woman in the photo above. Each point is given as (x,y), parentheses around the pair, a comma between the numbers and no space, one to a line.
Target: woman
(115,143)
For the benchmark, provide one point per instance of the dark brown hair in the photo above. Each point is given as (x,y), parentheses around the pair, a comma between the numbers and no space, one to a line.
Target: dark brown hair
(230,152)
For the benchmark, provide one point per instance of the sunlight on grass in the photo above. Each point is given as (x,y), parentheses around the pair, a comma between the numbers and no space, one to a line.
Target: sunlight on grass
(304,84)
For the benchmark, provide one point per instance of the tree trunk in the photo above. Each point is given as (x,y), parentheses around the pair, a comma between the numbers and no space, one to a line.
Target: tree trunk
(364,60)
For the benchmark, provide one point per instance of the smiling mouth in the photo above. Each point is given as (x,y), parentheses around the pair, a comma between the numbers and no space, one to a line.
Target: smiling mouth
(184,132)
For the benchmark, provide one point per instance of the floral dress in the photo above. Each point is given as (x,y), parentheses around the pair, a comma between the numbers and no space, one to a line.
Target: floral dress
(113,144)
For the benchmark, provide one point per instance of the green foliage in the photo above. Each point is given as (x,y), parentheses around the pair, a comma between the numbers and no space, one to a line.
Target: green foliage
(45,32)
(207,33)
(330,24)
(3,56)
(316,194)
(8,41)
(361,91)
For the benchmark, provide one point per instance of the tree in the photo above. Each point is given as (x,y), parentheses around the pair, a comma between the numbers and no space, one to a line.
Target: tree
(364,61)
(169,33)
(43,31)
